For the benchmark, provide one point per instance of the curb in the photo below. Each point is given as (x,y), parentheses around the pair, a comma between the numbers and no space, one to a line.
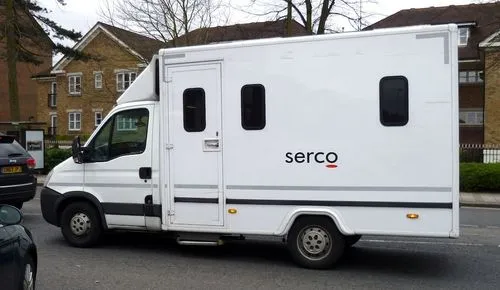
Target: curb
(483,205)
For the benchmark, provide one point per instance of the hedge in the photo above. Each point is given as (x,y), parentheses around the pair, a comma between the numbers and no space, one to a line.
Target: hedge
(54,156)
(480,177)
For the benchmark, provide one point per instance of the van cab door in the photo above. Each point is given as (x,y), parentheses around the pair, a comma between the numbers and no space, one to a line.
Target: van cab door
(118,167)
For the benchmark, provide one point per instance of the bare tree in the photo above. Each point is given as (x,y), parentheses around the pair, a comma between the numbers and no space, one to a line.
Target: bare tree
(317,16)
(163,20)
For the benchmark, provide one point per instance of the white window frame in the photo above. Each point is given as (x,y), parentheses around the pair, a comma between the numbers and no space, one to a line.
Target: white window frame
(75,88)
(53,94)
(472,117)
(470,77)
(121,83)
(126,124)
(96,114)
(72,124)
(460,36)
(98,80)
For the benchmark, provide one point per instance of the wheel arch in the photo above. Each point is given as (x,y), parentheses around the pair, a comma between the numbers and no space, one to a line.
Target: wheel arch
(293,216)
(76,196)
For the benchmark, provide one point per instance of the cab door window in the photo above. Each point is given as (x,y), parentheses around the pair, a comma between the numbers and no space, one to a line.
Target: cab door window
(123,134)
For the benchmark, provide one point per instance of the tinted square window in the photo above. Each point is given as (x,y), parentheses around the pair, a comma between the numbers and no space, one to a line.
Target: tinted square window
(253,107)
(394,101)
(194,110)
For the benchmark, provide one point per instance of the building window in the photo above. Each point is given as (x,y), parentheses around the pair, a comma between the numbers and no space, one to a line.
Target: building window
(253,107)
(75,84)
(470,77)
(463,36)
(471,118)
(75,123)
(98,118)
(394,101)
(124,123)
(98,80)
(124,80)
(53,95)
(194,110)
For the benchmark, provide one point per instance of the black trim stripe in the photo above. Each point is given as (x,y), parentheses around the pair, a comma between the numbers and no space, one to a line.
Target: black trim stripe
(196,200)
(134,209)
(341,203)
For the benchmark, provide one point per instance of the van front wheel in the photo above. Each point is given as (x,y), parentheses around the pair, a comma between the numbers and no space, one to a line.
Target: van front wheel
(315,242)
(80,224)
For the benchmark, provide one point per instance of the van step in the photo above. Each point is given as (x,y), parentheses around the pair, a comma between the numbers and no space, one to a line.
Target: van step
(199,243)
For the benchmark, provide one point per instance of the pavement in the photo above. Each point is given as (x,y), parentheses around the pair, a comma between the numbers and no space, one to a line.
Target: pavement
(472,199)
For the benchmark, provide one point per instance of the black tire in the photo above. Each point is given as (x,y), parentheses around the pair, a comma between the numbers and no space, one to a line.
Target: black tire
(317,231)
(85,220)
(18,205)
(351,240)
(24,278)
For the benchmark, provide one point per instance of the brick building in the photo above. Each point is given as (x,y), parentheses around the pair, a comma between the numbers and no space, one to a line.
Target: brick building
(479,77)
(27,90)
(75,95)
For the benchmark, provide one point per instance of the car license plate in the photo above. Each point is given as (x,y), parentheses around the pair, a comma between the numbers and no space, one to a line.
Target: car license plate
(12,169)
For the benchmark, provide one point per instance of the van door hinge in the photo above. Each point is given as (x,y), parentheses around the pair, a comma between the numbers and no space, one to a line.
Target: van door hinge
(169,146)
(170,212)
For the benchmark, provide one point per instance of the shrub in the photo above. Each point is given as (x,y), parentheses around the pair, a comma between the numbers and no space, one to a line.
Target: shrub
(54,156)
(480,177)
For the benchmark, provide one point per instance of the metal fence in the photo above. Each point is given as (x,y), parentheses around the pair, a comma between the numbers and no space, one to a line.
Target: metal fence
(480,153)
(63,144)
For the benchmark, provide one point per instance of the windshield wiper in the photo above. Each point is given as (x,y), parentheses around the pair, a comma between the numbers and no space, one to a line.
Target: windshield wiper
(15,155)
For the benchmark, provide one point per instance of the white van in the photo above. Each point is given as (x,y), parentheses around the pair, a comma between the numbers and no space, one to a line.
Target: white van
(316,139)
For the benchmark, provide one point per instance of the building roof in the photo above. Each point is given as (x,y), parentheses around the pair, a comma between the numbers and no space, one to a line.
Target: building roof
(245,31)
(141,46)
(483,18)
(144,45)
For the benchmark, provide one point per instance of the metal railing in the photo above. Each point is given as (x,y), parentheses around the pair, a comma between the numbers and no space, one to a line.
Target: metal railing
(480,153)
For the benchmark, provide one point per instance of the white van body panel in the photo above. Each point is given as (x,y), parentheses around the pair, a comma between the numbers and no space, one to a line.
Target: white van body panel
(321,95)
(311,109)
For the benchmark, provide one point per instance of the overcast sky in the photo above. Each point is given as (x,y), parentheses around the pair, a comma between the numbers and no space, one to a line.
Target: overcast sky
(81,15)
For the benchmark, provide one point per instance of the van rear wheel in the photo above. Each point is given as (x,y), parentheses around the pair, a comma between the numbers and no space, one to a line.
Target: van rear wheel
(80,224)
(315,242)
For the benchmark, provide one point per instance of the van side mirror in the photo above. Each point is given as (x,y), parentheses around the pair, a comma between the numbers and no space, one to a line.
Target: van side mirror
(76,150)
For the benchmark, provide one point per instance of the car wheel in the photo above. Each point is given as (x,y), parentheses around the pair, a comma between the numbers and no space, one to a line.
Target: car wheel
(28,277)
(315,242)
(80,224)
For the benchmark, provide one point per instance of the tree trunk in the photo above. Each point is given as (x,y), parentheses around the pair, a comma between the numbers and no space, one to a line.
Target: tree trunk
(289,18)
(325,12)
(309,12)
(12,62)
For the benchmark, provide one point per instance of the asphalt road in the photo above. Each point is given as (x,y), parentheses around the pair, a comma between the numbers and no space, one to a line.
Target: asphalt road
(141,261)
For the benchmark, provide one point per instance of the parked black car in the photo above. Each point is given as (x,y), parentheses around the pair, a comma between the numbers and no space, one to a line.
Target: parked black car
(18,252)
(17,180)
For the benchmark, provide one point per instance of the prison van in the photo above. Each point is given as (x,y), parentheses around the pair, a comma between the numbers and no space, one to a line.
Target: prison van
(316,140)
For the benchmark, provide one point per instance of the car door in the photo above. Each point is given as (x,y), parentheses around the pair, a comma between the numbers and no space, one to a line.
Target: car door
(118,171)
(8,270)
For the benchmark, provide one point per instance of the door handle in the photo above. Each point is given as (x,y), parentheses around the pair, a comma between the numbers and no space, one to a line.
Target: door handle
(145,173)
(214,143)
